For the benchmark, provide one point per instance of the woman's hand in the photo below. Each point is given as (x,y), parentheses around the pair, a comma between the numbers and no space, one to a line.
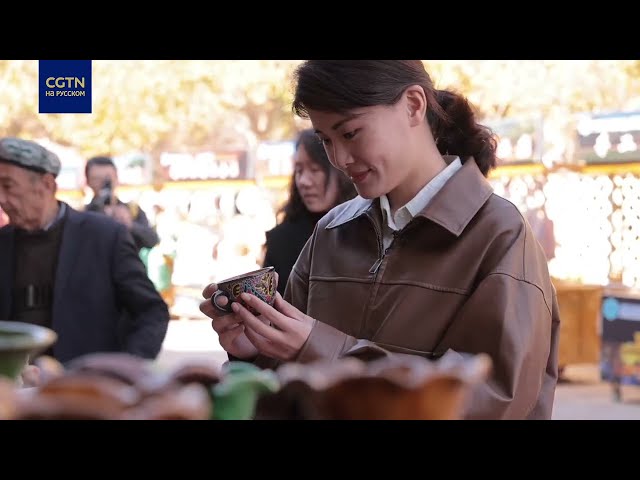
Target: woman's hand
(229,327)
(279,332)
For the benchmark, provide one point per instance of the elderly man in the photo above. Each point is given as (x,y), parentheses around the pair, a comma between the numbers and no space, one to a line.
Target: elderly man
(77,273)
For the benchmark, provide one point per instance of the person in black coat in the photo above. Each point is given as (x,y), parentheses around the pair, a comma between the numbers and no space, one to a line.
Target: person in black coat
(102,177)
(316,187)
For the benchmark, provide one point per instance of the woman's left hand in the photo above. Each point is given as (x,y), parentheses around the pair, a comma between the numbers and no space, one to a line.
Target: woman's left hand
(288,330)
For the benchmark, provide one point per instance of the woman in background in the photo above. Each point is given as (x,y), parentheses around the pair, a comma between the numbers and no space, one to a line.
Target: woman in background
(316,187)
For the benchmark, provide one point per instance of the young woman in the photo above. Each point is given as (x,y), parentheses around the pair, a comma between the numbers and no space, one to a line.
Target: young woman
(316,187)
(426,261)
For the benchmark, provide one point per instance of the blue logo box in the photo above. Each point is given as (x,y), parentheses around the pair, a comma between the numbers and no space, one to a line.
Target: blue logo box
(64,86)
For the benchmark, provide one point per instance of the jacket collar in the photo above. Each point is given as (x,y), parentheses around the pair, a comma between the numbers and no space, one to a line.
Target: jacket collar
(349,211)
(460,199)
(452,207)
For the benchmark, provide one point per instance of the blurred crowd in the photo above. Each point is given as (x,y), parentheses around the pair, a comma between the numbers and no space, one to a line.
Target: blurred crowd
(191,235)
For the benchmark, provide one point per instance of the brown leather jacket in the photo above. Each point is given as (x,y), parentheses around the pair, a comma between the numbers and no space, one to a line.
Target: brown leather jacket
(465,275)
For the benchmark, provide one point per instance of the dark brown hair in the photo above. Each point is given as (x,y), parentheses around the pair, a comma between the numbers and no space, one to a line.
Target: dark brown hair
(99,160)
(342,85)
(294,208)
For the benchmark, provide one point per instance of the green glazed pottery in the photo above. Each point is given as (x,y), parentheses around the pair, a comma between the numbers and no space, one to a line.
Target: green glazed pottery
(235,397)
(19,341)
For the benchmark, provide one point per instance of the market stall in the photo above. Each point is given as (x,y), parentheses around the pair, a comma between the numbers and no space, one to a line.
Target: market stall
(591,210)
(620,363)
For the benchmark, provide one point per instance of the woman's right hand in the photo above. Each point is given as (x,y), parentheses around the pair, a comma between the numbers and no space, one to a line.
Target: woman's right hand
(228,326)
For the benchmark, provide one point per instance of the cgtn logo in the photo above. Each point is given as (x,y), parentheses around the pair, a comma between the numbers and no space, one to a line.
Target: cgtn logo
(60,87)
(64,86)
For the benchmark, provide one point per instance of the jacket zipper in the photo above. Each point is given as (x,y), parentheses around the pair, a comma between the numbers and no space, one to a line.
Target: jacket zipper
(376,266)
(381,253)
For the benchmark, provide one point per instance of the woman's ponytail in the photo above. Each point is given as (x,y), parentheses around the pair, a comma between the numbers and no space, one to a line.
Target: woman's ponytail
(454,127)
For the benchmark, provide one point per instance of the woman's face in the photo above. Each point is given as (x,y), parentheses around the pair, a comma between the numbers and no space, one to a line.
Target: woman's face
(371,145)
(311,182)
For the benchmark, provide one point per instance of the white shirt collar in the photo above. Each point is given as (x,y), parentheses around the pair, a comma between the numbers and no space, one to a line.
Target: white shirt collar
(62,207)
(418,203)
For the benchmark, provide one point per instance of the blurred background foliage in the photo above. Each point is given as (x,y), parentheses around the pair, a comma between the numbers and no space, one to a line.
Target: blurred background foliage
(157,105)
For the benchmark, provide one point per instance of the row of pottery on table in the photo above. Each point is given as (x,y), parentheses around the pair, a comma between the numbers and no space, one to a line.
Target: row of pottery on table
(119,386)
(111,386)
(390,388)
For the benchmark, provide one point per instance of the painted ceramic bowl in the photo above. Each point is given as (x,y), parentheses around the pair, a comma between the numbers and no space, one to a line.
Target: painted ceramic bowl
(261,283)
